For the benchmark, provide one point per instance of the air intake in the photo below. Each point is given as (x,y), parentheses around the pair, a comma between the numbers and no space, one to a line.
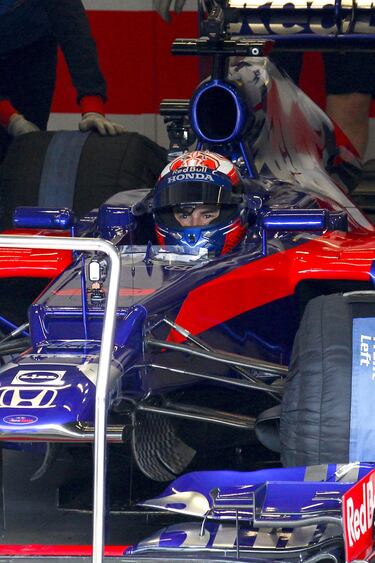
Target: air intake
(218,112)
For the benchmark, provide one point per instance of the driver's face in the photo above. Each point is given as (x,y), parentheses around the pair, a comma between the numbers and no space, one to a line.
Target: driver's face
(197,216)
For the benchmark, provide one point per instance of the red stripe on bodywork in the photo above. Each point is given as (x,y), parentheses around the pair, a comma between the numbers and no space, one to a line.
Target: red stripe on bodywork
(31,262)
(332,256)
(35,550)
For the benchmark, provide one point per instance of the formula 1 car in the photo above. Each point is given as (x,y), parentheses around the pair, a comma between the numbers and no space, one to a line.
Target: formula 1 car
(209,318)
(193,329)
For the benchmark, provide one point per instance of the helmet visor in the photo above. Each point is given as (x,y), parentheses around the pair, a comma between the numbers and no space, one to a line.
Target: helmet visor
(180,193)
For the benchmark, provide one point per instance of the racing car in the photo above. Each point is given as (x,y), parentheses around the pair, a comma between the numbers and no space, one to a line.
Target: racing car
(245,305)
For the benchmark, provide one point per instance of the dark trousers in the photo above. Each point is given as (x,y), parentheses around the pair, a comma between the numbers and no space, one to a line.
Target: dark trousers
(27,79)
(345,73)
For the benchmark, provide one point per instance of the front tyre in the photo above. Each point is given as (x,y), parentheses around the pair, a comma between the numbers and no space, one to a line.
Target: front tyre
(315,413)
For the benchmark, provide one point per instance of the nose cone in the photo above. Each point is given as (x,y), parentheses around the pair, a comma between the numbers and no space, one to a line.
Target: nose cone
(50,401)
(44,397)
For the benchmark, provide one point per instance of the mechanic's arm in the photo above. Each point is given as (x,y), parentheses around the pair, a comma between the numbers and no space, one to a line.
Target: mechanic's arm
(164,7)
(13,121)
(70,25)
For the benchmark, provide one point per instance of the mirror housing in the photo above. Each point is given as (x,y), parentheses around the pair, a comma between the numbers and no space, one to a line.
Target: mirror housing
(300,220)
(114,221)
(43,218)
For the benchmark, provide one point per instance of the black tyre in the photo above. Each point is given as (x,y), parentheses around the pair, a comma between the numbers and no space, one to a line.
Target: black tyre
(315,413)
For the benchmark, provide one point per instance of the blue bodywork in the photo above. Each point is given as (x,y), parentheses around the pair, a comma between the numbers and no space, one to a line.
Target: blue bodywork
(292,514)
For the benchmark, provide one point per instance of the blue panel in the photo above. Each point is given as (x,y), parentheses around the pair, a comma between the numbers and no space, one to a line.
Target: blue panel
(60,168)
(362,419)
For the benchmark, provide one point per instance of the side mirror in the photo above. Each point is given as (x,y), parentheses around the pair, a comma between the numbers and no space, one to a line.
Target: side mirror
(43,218)
(301,220)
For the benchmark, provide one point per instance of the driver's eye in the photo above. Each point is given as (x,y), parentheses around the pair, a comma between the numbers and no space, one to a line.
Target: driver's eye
(182,216)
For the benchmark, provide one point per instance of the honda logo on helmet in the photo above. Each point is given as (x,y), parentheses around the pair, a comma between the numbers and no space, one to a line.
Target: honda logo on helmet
(196,176)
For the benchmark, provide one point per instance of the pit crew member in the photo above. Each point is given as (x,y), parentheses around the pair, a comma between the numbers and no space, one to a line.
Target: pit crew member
(30,31)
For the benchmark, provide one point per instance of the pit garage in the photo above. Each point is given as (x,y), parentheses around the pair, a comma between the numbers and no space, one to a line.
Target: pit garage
(187,276)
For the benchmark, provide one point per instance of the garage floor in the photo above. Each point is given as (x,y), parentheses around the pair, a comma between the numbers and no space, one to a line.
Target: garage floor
(32,514)
(56,509)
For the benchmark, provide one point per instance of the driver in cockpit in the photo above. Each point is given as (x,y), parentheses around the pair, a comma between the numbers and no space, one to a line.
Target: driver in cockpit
(199,202)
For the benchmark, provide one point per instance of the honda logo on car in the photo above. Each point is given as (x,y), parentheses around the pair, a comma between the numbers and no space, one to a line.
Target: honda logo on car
(27,398)
(358,510)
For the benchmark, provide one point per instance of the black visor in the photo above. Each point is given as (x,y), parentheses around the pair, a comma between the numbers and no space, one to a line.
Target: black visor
(180,193)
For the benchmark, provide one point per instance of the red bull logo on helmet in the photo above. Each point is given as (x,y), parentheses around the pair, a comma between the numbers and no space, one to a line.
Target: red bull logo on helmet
(193,164)
(194,159)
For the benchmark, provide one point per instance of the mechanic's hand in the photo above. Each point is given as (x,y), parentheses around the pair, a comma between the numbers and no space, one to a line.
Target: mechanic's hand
(100,123)
(19,125)
(165,6)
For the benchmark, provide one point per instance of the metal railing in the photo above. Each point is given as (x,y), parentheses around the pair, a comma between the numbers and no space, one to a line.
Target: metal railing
(106,348)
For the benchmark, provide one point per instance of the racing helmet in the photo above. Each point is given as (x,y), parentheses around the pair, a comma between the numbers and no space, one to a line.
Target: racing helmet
(198,202)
